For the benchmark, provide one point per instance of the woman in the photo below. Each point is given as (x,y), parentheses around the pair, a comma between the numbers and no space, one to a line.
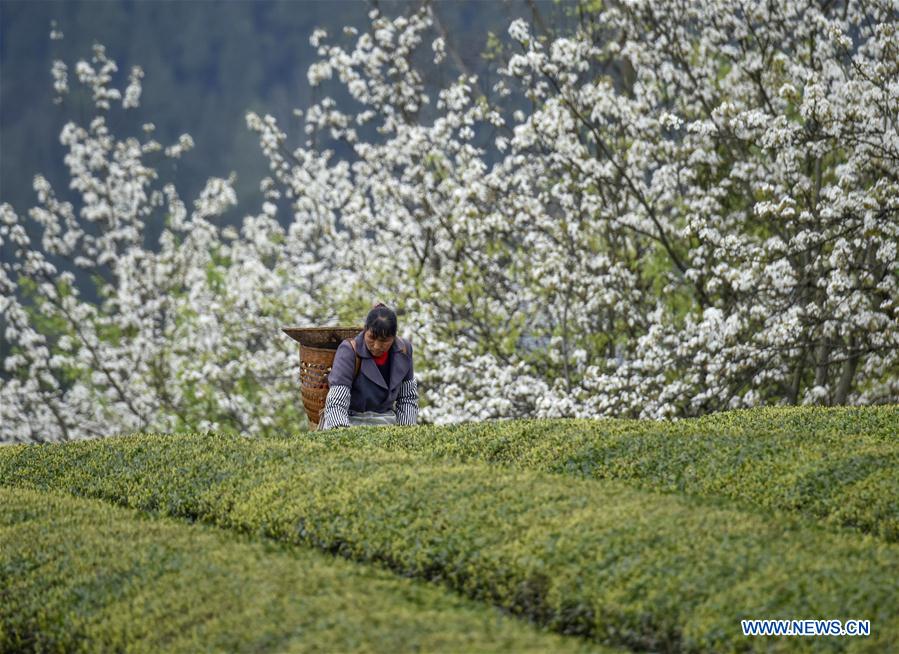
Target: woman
(371,380)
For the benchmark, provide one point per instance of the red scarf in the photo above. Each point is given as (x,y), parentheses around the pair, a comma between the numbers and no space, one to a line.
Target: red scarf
(381,360)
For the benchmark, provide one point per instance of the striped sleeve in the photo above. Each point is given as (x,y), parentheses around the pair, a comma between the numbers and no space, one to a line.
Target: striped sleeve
(337,407)
(407,403)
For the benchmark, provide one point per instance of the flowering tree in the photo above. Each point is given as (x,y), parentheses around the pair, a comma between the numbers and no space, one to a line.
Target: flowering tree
(675,209)
(175,341)
(698,211)
(773,193)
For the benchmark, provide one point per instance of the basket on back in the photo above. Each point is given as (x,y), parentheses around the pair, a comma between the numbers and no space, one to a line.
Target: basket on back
(317,348)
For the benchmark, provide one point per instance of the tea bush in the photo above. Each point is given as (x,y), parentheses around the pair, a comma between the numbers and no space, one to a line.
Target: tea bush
(840,465)
(595,558)
(83,576)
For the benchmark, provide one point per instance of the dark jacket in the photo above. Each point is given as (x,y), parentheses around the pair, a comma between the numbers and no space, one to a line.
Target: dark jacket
(369,391)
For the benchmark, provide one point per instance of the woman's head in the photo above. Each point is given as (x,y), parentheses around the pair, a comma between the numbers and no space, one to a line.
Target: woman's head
(380,329)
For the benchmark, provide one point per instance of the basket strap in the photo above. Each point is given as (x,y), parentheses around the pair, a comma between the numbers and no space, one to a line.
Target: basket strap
(358,359)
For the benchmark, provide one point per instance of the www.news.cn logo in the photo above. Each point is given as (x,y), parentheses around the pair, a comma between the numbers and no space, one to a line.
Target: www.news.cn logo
(806,627)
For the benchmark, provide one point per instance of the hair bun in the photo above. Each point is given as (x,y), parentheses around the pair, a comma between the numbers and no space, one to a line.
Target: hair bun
(379,304)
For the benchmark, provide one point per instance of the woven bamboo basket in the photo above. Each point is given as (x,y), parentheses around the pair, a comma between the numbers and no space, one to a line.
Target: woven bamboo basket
(317,348)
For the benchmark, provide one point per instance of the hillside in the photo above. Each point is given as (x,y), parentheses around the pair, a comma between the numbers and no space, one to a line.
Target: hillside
(631,535)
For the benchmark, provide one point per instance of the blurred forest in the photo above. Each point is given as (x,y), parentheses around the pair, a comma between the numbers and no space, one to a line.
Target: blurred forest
(206,63)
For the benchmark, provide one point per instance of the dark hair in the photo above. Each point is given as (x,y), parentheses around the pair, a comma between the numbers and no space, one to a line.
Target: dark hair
(381,322)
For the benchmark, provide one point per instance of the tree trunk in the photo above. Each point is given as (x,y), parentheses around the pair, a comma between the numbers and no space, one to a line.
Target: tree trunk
(793,392)
(847,374)
(822,363)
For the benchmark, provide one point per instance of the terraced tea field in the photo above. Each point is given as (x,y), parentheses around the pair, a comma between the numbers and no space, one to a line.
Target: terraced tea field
(526,536)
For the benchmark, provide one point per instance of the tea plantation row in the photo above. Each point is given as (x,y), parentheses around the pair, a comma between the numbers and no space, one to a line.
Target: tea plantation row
(594,558)
(170,587)
(839,465)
